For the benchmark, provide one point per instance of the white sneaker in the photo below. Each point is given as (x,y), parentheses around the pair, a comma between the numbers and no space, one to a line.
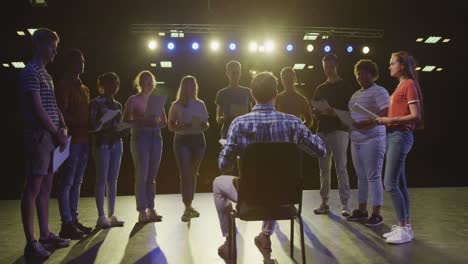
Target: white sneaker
(400,235)
(389,234)
(114,221)
(102,222)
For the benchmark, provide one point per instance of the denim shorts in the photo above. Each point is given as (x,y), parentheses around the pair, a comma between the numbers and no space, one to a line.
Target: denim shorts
(39,147)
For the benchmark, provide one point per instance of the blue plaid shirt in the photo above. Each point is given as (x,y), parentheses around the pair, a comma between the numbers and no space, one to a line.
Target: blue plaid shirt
(265,124)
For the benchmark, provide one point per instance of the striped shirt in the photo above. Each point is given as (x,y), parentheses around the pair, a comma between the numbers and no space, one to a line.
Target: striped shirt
(375,99)
(34,78)
(265,124)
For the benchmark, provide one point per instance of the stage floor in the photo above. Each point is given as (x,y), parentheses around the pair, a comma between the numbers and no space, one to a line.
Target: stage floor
(439,220)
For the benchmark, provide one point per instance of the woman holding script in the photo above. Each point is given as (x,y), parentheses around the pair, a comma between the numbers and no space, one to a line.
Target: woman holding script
(146,142)
(368,141)
(104,119)
(188,119)
(404,113)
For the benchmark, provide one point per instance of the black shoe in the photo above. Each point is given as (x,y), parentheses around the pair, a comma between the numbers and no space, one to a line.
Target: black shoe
(358,215)
(35,249)
(54,241)
(68,230)
(374,220)
(86,230)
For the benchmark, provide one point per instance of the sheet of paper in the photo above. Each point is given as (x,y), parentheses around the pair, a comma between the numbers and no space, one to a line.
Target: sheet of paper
(321,105)
(364,111)
(106,117)
(236,110)
(60,156)
(222,142)
(124,125)
(155,105)
(344,116)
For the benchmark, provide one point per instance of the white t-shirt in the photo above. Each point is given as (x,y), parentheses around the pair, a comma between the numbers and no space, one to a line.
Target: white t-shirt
(194,113)
(375,99)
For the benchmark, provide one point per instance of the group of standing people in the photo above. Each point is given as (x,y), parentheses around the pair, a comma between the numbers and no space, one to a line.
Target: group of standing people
(51,117)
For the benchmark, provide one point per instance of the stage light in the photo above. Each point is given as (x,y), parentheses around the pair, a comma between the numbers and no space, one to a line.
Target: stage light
(439,69)
(289,47)
(299,66)
(162,34)
(261,48)
(419,40)
(365,49)
(152,44)
(446,40)
(327,48)
(310,67)
(32,30)
(6,65)
(214,45)
(428,68)
(18,64)
(418,68)
(269,46)
(232,46)
(166,64)
(153,65)
(432,39)
(195,45)
(253,46)
(349,49)
(170,45)
(20,33)
(310,48)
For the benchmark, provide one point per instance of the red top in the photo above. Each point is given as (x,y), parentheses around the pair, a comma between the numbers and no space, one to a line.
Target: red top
(406,93)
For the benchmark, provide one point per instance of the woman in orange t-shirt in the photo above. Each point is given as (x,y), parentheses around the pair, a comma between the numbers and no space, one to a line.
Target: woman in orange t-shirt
(404,112)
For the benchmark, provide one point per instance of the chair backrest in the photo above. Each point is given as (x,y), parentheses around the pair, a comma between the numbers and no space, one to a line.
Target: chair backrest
(270,174)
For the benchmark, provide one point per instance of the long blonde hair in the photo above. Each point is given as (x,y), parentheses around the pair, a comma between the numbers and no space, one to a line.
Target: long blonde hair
(409,71)
(184,94)
(140,77)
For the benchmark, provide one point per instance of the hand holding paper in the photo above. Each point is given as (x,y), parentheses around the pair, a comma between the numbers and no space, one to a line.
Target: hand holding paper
(364,111)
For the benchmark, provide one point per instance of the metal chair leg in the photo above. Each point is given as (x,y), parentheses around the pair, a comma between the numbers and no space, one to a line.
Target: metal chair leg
(302,240)
(291,242)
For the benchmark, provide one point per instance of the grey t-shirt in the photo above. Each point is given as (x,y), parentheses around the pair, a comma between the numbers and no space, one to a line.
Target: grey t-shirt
(234,102)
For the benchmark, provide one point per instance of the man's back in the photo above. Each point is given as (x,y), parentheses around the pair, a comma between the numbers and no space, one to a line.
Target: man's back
(265,124)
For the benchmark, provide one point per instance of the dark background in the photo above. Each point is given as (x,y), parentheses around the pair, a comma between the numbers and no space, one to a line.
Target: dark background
(102,30)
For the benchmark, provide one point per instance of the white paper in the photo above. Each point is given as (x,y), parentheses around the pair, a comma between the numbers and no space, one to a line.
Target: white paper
(155,105)
(222,142)
(364,111)
(321,105)
(236,110)
(60,156)
(107,116)
(345,117)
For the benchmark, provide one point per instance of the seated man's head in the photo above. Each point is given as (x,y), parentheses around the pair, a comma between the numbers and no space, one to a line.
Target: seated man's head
(264,88)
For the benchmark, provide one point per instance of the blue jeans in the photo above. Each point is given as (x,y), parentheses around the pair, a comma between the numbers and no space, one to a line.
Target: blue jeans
(107,161)
(146,148)
(189,151)
(368,160)
(71,177)
(398,146)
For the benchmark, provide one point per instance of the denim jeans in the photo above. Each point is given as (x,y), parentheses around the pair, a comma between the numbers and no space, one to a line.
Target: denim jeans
(398,146)
(368,161)
(71,177)
(146,148)
(336,144)
(107,161)
(224,193)
(189,151)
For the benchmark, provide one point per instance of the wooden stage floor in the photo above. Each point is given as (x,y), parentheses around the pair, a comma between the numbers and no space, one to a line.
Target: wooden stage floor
(439,220)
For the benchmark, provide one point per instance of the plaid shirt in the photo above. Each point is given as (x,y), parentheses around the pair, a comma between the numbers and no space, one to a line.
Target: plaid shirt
(265,124)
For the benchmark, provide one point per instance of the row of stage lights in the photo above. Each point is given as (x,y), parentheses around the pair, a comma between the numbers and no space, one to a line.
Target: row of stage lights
(253,46)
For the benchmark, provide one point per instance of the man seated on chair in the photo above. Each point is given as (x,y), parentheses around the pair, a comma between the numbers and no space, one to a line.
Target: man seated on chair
(263,124)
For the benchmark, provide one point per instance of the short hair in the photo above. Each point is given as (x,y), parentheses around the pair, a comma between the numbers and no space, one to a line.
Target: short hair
(140,77)
(44,36)
(106,78)
(231,64)
(264,87)
(287,71)
(330,57)
(368,66)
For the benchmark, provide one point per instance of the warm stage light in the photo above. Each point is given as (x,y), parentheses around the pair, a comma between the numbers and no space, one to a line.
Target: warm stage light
(152,45)
(253,46)
(214,45)
(310,48)
(365,50)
